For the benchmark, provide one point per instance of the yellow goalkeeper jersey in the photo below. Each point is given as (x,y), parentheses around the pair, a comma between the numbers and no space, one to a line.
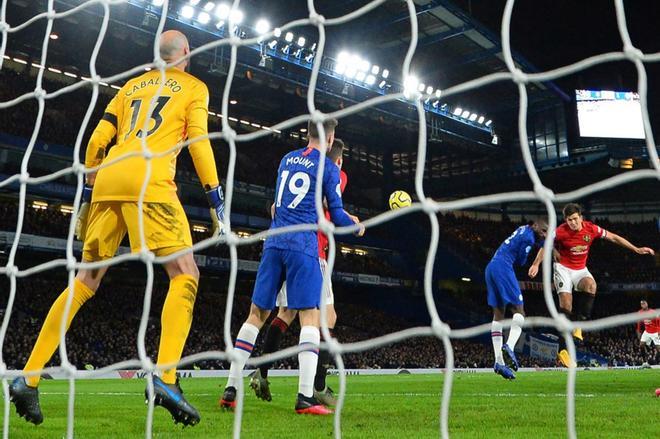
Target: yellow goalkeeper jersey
(180,112)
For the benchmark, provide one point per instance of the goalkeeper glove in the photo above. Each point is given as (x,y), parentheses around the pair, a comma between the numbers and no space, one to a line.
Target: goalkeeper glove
(81,220)
(217,202)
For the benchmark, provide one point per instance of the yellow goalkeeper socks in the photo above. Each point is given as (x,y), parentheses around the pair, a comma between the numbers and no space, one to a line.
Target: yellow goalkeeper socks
(176,320)
(49,337)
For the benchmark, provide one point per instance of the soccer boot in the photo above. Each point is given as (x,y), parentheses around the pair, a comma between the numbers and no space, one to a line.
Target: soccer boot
(170,397)
(260,385)
(577,334)
(504,371)
(228,400)
(310,406)
(512,356)
(326,396)
(26,400)
(565,359)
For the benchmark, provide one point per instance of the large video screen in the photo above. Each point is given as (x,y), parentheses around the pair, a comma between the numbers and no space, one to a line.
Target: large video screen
(613,114)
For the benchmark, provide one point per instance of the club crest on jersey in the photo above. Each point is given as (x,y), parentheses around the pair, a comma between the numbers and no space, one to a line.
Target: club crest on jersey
(586,238)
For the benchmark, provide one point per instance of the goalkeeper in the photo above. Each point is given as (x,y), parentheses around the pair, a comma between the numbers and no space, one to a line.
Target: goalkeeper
(180,112)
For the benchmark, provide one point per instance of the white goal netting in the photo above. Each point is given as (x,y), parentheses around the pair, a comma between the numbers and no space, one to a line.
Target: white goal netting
(437,328)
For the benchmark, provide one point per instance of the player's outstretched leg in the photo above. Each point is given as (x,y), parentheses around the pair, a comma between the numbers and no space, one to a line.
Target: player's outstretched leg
(170,397)
(504,371)
(322,392)
(26,401)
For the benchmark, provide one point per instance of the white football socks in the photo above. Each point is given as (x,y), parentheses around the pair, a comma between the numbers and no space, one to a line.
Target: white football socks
(516,330)
(243,347)
(307,359)
(496,335)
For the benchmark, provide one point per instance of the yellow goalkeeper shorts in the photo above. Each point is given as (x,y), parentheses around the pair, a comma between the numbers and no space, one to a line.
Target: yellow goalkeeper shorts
(166,228)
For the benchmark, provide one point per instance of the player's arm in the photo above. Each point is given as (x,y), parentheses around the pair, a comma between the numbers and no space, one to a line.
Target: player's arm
(97,146)
(639,329)
(534,268)
(332,193)
(623,242)
(202,156)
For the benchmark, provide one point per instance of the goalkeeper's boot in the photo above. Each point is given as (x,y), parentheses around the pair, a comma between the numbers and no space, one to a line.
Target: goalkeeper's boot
(504,371)
(326,396)
(26,400)
(565,359)
(310,406)
(260,386)
(228,400)
(577,335)
(512,356)
(170,397)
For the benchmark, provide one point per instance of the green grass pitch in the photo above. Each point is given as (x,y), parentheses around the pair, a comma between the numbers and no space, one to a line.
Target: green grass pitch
(617,404)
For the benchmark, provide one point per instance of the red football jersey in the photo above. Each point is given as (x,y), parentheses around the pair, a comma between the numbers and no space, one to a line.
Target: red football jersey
(650,325)
(323,240)
(573,247)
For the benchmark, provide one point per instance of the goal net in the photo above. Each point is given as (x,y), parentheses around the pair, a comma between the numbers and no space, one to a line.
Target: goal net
(431,208)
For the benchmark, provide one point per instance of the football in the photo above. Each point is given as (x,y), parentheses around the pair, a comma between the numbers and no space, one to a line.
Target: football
(400,199)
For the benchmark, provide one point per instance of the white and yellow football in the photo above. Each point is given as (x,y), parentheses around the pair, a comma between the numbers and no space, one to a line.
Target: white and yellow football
(400,199)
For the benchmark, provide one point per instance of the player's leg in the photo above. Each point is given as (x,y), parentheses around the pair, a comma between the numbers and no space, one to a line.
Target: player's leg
(322,392)
(270,277)
(493,280)
(584,300)
(274,334)
(105,231)
(304,282)
(167,232)
(564,287)
(517,321)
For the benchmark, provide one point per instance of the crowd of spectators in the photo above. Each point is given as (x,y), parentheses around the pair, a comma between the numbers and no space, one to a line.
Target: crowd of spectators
(105,330)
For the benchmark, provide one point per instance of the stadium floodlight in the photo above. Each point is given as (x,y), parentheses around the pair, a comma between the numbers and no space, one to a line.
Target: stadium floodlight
(410,84)
(343,57)
(272,44)
(236,16)
(301,41)
(481,119)
(371,80)
(382,84)
(421,87)
(194,2)
(219,24)
(360,76)
(438,93)
(458,111)
(473,117)
(429,90)
(465,114)
(288,37)
(187,11)
(488,123)
(351,71)
(364,65)
(53,36)
(203,18)
(340,68)
(375,69)
(386,74)
(222,11)
(277,32)
(208,7)
(157,2)
(262,26)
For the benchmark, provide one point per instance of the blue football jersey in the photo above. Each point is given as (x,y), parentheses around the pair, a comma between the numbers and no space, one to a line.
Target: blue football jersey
(515,249)
(294,200)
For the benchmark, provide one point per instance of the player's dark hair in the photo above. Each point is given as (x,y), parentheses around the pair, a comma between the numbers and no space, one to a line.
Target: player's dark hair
(542,223)
(572,208)
(329,126)
(337,150)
